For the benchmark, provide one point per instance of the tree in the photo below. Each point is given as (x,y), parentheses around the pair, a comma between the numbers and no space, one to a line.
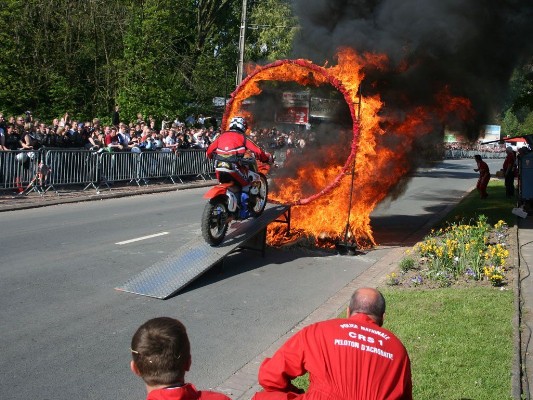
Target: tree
(172,52)
(510,124)
(526,127)
(272,27)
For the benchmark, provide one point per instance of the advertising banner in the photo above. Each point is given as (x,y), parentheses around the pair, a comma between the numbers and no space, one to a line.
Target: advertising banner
(293,115)
(295,99)
(322,108)
(295,108)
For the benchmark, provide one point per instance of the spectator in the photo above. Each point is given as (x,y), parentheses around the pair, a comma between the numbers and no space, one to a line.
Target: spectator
(62,139)
(190,120)
(112,141)
(26,141)
(96,124)
(170,140)
(96,141)
(2,139)
(161,356)
(19,125)
(347,358)
(484,176)
(124,136)
(509,171)
(116,116)
(3,124)
(178,122)
(64,120)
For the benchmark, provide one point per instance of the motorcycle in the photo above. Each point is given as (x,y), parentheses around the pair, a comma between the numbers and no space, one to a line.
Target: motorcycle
(228,202)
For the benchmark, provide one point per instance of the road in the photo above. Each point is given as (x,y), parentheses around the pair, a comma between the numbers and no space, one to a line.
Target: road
(66,331)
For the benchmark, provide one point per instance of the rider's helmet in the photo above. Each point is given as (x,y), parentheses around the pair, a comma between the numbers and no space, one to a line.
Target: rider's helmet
(238,124)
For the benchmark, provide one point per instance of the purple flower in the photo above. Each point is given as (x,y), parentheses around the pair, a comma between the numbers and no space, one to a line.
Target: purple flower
(417,280)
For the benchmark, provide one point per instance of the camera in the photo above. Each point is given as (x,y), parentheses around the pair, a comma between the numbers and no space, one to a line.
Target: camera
(27,112)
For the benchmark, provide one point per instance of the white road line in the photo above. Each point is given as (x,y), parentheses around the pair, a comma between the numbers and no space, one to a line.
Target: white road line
(142,238)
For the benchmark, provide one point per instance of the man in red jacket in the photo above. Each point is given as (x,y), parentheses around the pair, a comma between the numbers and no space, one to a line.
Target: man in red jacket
(350,358)
(229,150)
(161,355)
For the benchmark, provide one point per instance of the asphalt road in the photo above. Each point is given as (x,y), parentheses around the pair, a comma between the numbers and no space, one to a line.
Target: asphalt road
(66,331)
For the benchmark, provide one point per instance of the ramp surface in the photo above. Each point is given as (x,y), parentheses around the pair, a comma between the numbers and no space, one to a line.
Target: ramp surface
(167,277)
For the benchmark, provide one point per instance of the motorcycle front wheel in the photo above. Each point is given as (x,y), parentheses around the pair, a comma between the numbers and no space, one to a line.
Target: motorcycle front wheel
(258,202)
(215,221)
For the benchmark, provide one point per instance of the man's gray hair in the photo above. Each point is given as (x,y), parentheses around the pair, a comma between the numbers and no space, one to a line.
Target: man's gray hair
(368,301)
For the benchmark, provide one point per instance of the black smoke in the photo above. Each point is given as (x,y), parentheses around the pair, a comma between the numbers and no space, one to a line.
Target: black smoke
(470,47)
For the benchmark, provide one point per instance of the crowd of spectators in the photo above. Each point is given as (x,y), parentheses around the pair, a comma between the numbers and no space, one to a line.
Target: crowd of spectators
(27,133)
(479,147)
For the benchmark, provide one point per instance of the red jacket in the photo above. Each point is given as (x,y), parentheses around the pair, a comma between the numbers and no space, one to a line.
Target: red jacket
(348,359)
(231,143)
(185,392)
(509,163)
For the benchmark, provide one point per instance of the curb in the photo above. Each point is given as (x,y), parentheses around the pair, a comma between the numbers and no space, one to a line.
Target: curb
(38,201)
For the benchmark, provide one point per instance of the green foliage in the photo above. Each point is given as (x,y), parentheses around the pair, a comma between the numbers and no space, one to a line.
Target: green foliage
(510,124)
(159,57)
(272,30)
(406,264)
(526,128)
(518,115)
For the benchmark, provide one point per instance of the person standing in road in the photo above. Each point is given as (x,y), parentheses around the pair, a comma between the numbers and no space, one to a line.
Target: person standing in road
(161,354)
(347,358)
(484,176)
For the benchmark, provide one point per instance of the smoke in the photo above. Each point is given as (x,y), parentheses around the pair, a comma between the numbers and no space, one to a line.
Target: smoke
(469,48)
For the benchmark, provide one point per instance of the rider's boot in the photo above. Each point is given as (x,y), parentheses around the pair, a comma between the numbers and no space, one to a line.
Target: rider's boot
(243,213)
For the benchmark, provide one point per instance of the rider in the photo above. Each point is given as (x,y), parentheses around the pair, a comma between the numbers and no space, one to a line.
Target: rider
(229,151)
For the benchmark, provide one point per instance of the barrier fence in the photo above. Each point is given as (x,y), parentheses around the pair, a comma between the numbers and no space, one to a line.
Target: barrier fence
(459,153)
(47,169)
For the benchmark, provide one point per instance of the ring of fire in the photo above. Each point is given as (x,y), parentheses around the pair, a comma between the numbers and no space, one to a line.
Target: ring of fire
(305,73)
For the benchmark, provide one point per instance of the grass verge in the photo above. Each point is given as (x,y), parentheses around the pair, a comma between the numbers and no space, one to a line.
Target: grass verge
(496,207)
(460,342)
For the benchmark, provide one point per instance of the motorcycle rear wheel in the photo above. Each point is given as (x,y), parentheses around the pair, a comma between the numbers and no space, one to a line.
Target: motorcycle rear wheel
(258,202)
(215,221)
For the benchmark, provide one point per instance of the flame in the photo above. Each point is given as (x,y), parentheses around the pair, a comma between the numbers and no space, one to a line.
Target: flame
(329,202)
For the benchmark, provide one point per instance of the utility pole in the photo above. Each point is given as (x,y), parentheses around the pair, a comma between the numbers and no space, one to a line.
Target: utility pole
(240,65)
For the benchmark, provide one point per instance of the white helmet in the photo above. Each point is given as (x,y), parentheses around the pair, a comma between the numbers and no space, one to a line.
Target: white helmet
(238,124)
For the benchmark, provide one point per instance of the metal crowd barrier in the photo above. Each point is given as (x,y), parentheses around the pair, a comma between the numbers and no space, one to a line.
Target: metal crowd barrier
(47,169)
(18,169)
(460,153)
(71,167)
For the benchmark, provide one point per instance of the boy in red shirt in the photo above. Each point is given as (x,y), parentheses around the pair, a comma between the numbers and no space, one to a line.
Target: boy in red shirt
(161,355)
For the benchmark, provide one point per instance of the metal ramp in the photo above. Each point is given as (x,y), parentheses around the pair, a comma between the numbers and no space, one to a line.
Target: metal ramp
(168,276)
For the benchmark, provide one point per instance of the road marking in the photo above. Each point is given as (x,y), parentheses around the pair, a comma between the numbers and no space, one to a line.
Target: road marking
(142,238)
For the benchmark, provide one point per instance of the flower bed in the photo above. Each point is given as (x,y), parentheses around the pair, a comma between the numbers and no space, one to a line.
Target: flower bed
(460,254)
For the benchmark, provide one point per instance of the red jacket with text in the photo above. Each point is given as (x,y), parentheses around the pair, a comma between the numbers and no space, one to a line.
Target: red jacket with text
(185,392)
(234,144)
(350,359)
